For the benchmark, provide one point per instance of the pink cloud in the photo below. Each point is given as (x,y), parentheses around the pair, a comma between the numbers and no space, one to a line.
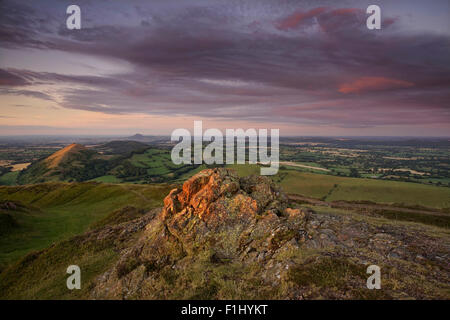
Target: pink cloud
(297,18)
(365,84)
(328,19)
(342,19)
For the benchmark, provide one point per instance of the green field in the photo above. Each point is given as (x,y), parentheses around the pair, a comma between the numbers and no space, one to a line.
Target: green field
(157,162)
(152,165)
(331,188)
(56,211)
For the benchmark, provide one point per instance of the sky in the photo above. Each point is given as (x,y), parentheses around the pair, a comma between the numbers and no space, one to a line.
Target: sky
(305,67)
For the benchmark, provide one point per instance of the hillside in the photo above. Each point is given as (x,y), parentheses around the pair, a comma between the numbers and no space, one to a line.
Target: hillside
(64,155)
(72,163)
(33,217)
(137,136)
(222,236)
(113,162)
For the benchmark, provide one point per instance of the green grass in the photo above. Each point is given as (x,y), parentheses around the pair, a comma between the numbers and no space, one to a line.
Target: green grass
(7,223)
(330,188)
(245,169)
(57,211)
(108,179)
(442,221)
(9,179)
(392,192)
(333,272)
(158,163)
(42,274)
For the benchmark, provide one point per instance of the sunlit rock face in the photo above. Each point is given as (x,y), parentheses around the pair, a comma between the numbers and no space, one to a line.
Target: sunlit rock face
(218,197)
(217,214)
(216,209)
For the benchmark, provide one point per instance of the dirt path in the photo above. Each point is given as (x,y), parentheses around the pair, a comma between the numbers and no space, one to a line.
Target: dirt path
(293,164)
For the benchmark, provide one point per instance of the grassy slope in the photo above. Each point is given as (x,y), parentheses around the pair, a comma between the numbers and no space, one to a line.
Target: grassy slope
(107,179)
(331,188)
(42,275)
(158,163)
(58,211)
(9,179)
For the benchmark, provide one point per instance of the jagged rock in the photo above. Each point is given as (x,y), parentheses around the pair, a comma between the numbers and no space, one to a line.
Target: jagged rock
(215,211)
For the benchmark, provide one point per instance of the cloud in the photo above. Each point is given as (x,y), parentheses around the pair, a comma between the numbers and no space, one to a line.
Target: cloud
(8,79)
(26,93)
(298,63)
(299,18)
(366,84)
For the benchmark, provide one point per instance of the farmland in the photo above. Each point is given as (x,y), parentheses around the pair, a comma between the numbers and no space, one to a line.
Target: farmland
(332,188)
(425,161)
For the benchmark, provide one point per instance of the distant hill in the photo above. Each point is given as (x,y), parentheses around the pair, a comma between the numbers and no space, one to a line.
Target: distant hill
(64,155)
(141,138)
(72,163)
(137,136)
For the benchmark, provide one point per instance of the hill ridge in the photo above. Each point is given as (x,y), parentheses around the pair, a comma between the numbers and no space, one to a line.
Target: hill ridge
(59,156)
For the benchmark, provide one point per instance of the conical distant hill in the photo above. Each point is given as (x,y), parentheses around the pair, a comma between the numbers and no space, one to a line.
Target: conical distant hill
(71,163)
(64,154)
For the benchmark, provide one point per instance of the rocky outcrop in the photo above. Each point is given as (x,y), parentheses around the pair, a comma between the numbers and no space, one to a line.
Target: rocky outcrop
(217,209)
(225,237)
(232,219)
